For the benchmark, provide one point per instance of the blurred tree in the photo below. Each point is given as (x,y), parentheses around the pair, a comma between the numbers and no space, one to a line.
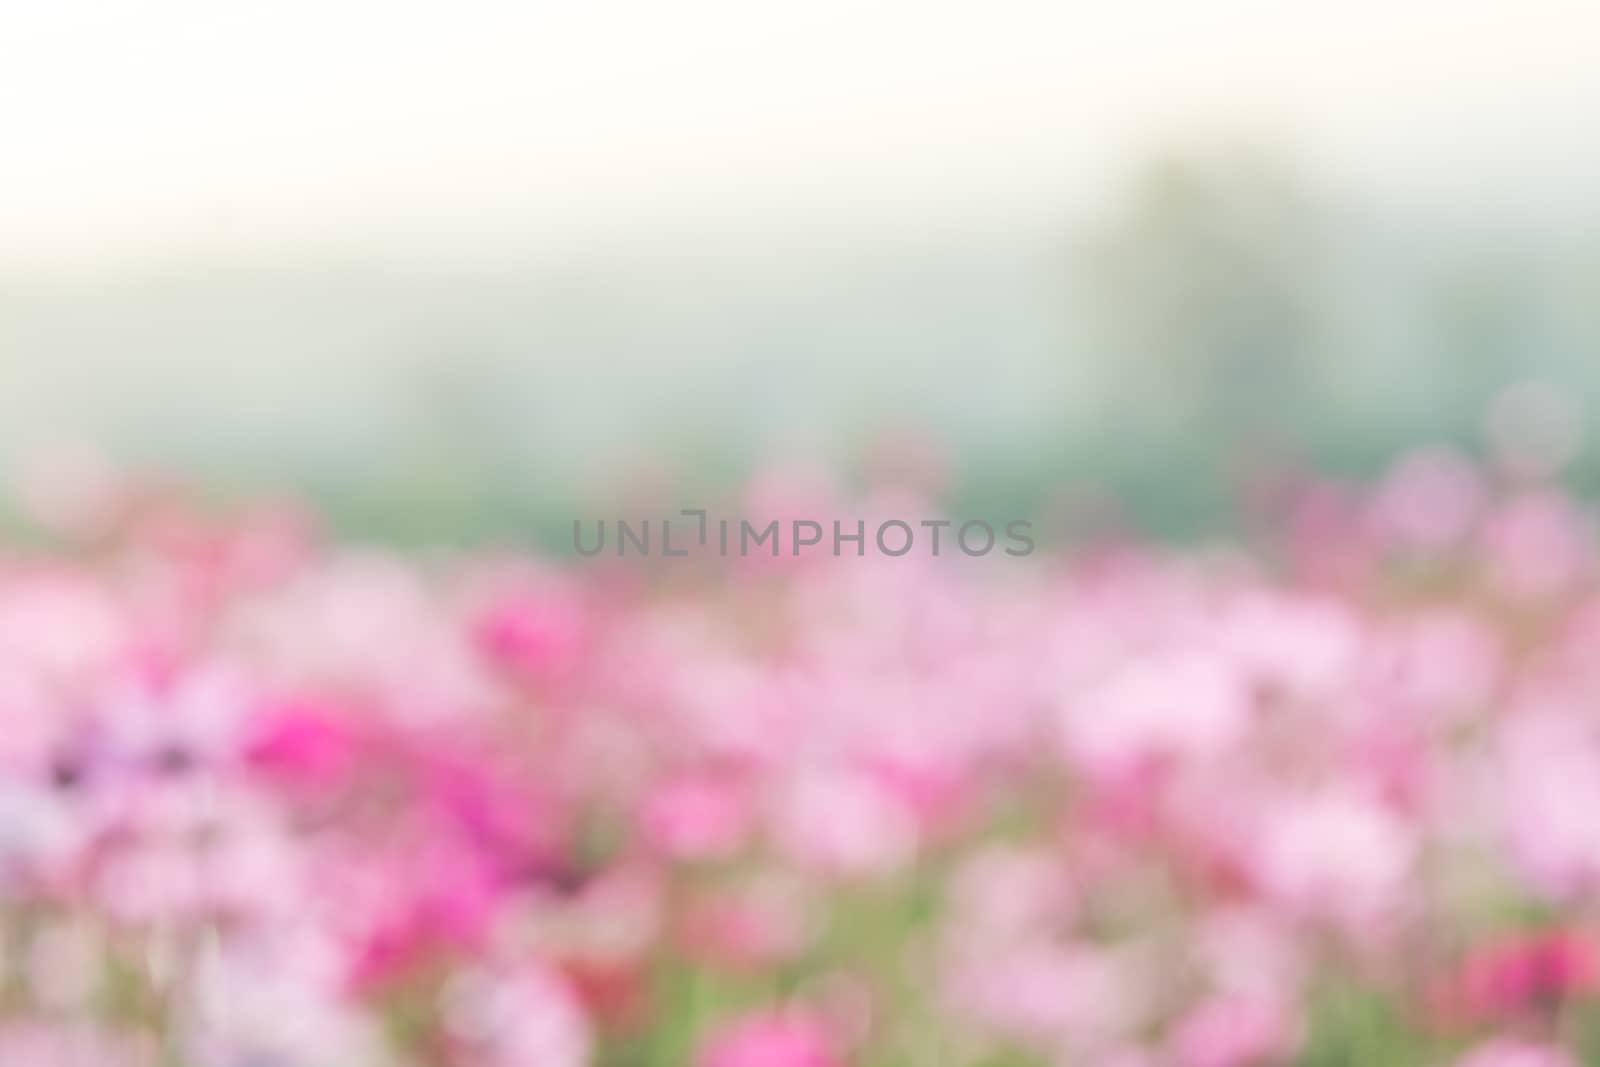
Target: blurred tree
(1203,294)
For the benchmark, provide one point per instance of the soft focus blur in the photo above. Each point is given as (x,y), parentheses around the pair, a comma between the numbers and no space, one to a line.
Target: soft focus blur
(450,268)
(325,742)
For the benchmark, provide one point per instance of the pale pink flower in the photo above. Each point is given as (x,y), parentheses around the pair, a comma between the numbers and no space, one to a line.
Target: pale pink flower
(1235,1032)
(1180,705)
(1335,855)
(264,1004)
(1007,893)
(1428,501)
(842,823)
(1539,544)
(74,1043)
(1251,952)
(1050,995)
(518,1018)
(63,623)
(1515,1052)
(1547,782)
(1439,665)
(1304,647)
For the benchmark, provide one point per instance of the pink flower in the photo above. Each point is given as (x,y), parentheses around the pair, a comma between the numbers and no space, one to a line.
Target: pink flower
(440,901)
(1235,1032)
(520,1019)
(774,1039)
(1514,1052)
(1049,995)
(538,632)
(844,824)
(1428,501)
(1335,855)
(1538,972)
(1538,544)
(697,818)
(1441,665)
(304,743)
(1184,705)
(1546,783)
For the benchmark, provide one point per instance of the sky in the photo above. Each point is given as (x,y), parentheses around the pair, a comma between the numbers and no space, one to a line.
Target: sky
(133,132)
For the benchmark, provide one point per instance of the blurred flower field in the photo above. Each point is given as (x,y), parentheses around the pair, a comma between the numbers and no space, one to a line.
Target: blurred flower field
(271,800)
